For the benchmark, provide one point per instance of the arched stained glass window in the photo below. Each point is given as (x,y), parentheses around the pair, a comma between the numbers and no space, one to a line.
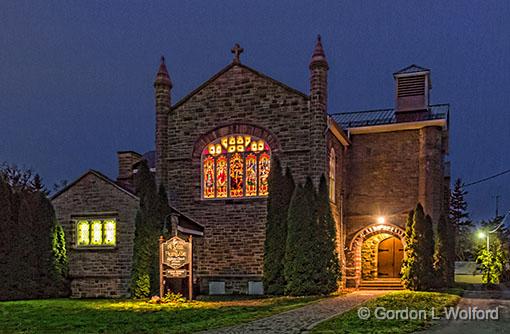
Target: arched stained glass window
(235,166)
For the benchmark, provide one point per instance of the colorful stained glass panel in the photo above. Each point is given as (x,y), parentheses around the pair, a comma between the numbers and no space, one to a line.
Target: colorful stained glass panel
(264,166)
(221,176)
(236,175)
(209,177)
(251,175)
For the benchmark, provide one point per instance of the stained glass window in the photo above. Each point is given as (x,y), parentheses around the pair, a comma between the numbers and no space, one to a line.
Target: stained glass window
(96,232)
(235,166)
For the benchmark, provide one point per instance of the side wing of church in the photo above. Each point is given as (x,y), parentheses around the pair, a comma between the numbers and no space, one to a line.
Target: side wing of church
(213,154)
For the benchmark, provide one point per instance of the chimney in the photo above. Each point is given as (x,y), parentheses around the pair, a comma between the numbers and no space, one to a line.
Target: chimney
(126,161)
(412,91)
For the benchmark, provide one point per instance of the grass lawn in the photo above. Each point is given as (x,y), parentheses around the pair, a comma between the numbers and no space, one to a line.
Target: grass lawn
(349,322)
(129,316)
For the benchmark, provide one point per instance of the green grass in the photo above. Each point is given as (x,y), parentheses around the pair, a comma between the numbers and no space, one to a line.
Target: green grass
(349,322)
(129,316)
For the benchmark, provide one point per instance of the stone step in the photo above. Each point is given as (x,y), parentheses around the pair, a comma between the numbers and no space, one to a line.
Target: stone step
(381,285)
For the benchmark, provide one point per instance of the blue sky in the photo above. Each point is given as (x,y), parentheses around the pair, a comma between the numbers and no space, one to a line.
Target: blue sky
(76,76)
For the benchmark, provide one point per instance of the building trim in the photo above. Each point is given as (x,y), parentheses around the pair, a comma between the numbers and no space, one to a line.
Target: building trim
(397,127)
(337,131)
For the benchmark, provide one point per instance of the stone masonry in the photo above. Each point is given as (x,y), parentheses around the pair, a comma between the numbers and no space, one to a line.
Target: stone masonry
(98,272)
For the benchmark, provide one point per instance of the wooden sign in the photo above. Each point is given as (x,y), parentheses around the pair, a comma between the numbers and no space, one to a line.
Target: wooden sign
(176,253)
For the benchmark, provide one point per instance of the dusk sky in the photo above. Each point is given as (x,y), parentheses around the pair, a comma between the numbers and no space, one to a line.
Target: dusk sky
(76,77)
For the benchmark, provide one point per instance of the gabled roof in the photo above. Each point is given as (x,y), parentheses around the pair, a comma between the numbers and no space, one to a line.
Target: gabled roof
(98,175)
(186,224)
(412,69)
(226,69)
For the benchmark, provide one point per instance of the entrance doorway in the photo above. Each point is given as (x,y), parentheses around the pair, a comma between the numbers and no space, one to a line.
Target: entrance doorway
(390,254)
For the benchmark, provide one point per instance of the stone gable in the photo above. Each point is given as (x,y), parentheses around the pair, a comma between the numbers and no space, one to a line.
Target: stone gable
(102,272)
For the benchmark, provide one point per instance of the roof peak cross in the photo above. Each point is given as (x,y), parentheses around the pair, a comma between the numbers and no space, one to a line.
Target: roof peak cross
(237,50)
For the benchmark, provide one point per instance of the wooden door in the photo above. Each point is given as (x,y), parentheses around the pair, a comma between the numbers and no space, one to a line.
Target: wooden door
(389,258)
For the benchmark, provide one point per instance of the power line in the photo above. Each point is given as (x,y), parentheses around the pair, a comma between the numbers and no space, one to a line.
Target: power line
(487,178)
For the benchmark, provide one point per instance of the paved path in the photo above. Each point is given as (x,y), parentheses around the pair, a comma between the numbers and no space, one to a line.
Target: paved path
(303,318)
(482,300)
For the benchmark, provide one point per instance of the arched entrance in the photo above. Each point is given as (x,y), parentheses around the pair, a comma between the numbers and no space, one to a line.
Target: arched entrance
(375,252)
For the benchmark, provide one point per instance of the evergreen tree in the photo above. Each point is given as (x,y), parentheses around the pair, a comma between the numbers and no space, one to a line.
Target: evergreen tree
(281,188)
(417,270)
(148,224)
(140,276)
(444,258)
(329,268)
(463,226)
(426,246)
(60,252)
(299,269)
(27,224)
(441,260)
(409,266)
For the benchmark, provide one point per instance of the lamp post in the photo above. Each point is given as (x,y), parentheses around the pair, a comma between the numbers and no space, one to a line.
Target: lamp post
(483,234)
(486,235)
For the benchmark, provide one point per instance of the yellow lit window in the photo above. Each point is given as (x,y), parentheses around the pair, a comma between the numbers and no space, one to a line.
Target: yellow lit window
(97,232)
(109,232)
(83,233)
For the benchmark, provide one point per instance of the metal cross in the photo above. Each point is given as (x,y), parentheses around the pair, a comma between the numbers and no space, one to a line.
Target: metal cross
(237,50)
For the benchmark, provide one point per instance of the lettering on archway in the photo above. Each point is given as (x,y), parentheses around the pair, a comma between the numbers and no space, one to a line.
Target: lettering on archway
(358,239)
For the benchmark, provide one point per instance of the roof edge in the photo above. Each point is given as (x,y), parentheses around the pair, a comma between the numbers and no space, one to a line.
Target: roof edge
(97,174)
(224,70)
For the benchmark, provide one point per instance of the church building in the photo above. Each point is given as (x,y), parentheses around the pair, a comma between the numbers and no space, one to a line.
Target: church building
(213,152)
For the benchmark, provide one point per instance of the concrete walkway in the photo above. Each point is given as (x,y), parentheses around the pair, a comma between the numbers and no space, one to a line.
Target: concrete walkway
(481,300)
(304,318)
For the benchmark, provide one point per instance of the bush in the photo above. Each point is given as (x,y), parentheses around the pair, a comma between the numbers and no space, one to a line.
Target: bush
(32,246)
(281,188)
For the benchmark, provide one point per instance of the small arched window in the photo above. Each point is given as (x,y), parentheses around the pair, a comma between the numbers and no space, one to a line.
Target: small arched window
(332,174)
(235,166)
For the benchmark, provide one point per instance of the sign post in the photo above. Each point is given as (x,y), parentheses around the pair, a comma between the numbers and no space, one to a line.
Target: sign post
(161,278)
(190,276)
(175,256)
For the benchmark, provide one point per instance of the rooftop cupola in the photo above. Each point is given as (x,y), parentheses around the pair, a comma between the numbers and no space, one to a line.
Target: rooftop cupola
(412,89)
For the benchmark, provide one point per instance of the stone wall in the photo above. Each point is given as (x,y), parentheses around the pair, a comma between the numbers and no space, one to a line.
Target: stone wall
(388,173)
(237,100)
(101,272)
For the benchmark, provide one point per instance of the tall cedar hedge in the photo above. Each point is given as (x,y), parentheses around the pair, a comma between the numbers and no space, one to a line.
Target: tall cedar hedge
(148,228)
(281,188)
(445,253)
(311,262)
(328,271)
(300,255)
(417,268)
(32,244)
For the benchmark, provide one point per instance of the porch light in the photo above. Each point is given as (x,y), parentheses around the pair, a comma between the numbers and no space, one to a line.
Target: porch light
(381,220)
